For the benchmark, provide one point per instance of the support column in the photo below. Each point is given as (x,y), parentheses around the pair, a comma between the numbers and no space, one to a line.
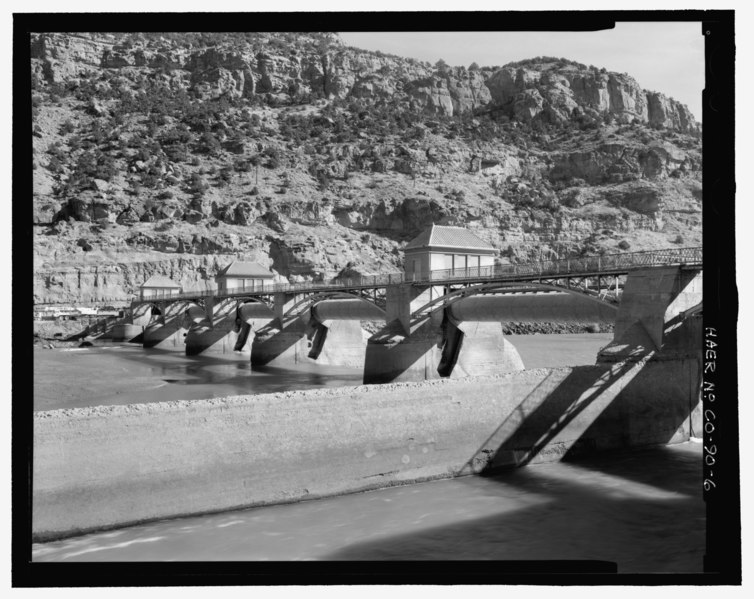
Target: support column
(337,337)
(477,349)
(140,315)
(284,339)
(435,346)
(132,326)
(166,330)
(392,356)
(402,350)
(217,333)
(338,343)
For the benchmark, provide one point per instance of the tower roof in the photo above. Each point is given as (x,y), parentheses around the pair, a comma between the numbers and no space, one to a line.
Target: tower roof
(448,237)
(161,282)
(238,268)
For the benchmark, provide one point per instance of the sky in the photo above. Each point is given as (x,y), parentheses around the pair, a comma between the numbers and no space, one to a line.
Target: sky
(663,57)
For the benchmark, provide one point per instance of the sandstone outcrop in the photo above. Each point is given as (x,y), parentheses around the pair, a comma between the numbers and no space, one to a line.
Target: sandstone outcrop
(176,153)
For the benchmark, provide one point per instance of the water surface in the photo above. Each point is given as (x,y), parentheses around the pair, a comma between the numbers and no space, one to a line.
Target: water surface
(642,509)
(126,373)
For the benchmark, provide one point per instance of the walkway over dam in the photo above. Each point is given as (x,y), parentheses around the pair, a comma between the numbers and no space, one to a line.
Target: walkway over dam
(438,324)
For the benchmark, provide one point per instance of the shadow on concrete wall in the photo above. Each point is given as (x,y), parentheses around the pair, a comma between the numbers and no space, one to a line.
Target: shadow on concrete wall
(592,408)
(156,333)
(391,355)
(591,510)
(272,341)
(199,338)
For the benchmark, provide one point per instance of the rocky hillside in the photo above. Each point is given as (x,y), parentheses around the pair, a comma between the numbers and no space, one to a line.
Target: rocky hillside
(174,153)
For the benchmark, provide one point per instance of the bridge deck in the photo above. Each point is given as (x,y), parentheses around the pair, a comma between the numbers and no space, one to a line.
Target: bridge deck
(592,266)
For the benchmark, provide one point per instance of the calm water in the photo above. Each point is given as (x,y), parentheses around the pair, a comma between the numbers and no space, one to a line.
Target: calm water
(123,374)
(643,510)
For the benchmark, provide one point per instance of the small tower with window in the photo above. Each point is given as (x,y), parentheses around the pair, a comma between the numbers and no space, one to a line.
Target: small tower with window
(455,249)
(159,286)
(240,276)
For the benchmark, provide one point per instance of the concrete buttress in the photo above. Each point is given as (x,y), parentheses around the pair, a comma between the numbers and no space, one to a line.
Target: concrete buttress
(217,332)
(166,329)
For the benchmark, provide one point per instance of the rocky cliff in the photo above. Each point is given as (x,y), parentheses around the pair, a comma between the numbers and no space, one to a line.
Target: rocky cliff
(173,153)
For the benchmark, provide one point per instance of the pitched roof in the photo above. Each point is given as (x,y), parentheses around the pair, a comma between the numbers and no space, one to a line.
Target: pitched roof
(160,281)
(244,269)
(453,237)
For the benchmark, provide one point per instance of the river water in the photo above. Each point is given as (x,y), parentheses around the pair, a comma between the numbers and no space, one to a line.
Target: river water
(123,373)
(642,509)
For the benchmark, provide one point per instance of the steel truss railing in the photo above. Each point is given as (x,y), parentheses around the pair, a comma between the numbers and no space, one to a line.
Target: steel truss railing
(584,266)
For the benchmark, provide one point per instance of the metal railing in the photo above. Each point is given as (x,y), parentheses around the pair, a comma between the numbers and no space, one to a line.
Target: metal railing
(590,265)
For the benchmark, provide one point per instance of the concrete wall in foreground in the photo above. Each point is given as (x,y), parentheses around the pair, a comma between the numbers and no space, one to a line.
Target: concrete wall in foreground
(107,466)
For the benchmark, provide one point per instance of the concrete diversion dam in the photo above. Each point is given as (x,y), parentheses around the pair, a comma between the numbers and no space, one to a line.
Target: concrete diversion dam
(106,467)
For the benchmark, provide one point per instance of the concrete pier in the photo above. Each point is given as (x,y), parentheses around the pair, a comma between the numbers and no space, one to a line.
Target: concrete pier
(651,320)
(132,326)
(328,333)
(124,332)
(214,331)
(166,329)
(283,340)
(437,347)
(141,315)
(477,349)
(439,344)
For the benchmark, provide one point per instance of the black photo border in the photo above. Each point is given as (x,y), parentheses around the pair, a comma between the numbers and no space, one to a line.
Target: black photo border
(722,563)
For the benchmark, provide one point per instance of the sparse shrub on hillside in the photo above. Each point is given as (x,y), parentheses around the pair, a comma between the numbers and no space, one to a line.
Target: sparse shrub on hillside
(150,180)
(208,144)
(96,164)
(198,185)
(56,150)
(273,157)
(74,143)
(177,152)
(225,175)
(67,127)
(54,165)
(179,134)
(417,133)
(242,166)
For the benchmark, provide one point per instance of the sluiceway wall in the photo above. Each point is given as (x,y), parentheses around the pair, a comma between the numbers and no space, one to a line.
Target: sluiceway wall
(109,466)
